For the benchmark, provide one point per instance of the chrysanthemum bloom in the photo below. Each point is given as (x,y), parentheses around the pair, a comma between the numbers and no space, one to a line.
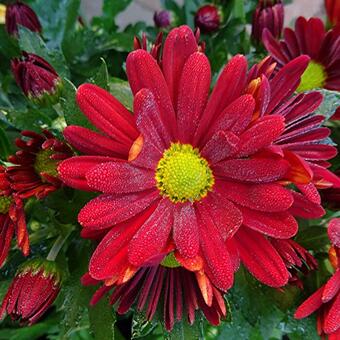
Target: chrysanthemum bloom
(199,167)
(309,38)
(162,19)
(327,298)
(296,258)
(37,78)
(12,219)
(35,165)
(21,14)
(333,11)
(268,14)
(208,18)
(32,291)
(303,140)
(177,292)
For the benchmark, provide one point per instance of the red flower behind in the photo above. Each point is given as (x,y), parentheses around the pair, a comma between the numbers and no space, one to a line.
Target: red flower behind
(175,290)
(207,18)
(32,292)
(333,11)
(327,298)
(35,170)
(12,219)
(309,38)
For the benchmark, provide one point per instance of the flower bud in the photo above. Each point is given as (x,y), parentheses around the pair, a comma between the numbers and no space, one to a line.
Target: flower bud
(207,19)
(21,14)
(333,11)
(162,19)
(32,291)
(268,14)
(37,78)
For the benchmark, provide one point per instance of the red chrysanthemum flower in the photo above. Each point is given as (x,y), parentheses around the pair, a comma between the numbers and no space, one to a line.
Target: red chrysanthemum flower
(35,170)
(12,219)
(33,290)
(327,298)
(177,292)
(309,38)
(303,139)
(199,167)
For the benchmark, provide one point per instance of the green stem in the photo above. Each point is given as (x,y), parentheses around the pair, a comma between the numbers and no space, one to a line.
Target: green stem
(58,244)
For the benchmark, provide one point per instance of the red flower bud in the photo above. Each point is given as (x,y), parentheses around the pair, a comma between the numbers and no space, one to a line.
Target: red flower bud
(162,19)
(32,291)
(207,19)
(268,14)
(21,14)
(36,77)
(333,11)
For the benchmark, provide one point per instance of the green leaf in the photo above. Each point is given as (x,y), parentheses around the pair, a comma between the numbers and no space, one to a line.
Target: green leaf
(121,90)
(31,42)
(58,18)
(30,119)
(331,101)
(141,327)
(184,331)
(5,146)
(101,78)
(313,237)
(102,320)
(72,113)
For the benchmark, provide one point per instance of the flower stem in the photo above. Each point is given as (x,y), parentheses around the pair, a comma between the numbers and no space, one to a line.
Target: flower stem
(58,244)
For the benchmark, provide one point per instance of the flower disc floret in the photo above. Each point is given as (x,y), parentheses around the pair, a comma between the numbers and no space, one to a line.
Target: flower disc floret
(5,203)
(44,164)
(314,77)
(183,175)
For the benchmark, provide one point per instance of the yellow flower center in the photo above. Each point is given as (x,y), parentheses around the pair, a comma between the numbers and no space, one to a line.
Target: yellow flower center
(5,202)
(170,261)
(183,175)
(43,163)
(313,77)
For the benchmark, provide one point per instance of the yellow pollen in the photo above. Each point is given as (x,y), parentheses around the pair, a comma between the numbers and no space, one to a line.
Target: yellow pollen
(183,175)
(5,203)
(43,163)
(314,77)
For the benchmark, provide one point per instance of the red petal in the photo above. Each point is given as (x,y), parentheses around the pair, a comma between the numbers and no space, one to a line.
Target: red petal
(193,95)
(185,230)
(106,113)
(332,287)
(110,257)
(216,255)
(286,81)
(72,171)
(149,121)
(252,170)
(334,232)
(221,145)
(273,47)
(310,192)
(143,72)
(261,258)
(316,29)
(153,234)
(278,225)
(120,177)
(178,46)
(223,94)
(261,134)
(107,210)
(299,171)
(92,143)
(262,197)
(234,118)
(332,322)
(304,208)
(313,303)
